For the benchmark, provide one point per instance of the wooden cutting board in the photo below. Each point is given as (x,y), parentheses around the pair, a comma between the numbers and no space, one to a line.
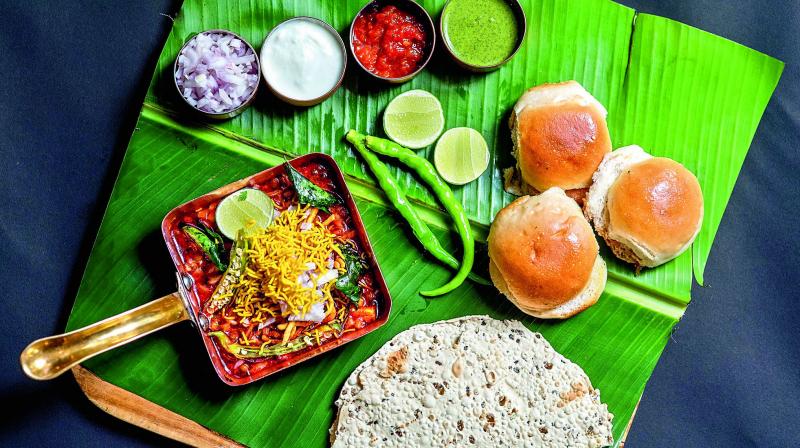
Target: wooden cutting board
(138,411)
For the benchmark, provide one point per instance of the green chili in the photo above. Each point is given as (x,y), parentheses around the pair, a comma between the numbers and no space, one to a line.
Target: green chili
(238,261)
(265,350)
(426,171)
(398,199)
(300,342)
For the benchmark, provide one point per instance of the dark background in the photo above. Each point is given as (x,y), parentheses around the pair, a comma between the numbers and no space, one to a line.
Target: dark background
(72,80)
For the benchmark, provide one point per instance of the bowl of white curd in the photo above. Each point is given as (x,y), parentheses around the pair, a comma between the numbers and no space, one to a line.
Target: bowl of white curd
(303,60)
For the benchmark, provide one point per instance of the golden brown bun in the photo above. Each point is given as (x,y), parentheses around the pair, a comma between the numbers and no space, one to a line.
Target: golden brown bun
(583,300)
(655,208)
(544,257)
(560,136)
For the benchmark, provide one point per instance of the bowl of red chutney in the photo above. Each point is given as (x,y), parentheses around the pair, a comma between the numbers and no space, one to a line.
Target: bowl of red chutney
(392,40)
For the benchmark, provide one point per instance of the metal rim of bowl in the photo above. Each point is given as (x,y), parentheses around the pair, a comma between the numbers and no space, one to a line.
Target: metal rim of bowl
(421,11)
(235,111)
(519,14)
(326,95)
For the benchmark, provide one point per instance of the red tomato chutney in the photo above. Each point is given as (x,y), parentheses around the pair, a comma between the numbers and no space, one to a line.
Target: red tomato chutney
(259,336)
(389,42)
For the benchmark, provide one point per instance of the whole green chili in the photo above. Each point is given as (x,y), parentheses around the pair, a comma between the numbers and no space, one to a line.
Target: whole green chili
(426,171)
(303,340)
(265,350)
(398,199)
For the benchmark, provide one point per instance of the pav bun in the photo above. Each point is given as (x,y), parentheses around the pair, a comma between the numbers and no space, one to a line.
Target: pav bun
(648,209)
(560,136)
(544,256)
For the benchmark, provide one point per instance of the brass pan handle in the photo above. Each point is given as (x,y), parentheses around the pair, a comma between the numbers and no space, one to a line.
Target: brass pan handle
(49,357)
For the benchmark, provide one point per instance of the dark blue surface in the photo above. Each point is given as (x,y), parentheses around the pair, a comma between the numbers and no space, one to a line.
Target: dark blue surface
(73,77)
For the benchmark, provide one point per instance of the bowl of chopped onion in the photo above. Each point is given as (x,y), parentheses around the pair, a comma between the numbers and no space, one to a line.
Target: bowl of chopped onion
(217,74)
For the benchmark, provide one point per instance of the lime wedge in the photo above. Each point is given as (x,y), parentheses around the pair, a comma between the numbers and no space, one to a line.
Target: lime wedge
(414,119)
(246,208)
(461,155)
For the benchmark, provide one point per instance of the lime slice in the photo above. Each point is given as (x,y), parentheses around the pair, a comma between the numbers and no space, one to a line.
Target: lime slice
(414,119)
(246,208)
(461,155)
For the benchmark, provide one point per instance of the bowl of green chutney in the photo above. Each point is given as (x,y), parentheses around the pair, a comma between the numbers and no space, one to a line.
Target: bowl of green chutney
(482,35)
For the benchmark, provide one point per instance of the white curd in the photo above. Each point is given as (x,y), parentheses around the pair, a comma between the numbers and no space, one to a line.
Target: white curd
(302,59)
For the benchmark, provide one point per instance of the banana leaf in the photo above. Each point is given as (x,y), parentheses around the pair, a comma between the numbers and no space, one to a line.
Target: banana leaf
(675,90)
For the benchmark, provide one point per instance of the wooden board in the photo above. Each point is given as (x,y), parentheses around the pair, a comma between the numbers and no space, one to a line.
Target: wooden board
(138,411)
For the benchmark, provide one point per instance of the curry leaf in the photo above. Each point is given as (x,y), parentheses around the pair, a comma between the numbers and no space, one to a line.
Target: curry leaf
(310,193)
(215,237)
(348,282)
(211,243)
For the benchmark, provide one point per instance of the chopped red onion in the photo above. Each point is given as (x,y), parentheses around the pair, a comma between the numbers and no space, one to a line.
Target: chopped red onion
(266,323)
(216,72)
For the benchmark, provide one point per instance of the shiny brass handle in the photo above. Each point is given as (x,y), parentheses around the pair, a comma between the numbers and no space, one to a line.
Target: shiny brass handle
(49,357)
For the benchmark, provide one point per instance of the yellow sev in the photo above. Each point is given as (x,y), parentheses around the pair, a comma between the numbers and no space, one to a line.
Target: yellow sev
(276,256)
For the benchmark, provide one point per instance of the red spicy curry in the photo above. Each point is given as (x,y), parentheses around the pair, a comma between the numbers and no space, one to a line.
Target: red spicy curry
(286,289)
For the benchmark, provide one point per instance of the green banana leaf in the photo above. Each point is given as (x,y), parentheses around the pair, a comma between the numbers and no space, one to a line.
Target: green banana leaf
(675,90)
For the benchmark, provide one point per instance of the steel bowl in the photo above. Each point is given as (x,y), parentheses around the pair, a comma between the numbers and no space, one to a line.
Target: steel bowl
(227,114)
(319,99)
(409,6)
(519,14)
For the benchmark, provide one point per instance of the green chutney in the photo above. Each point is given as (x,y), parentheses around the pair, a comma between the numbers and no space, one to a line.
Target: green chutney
(480,32)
